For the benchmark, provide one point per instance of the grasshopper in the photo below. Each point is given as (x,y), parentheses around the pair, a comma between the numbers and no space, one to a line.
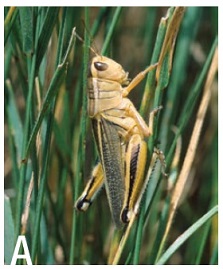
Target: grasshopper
(119,132)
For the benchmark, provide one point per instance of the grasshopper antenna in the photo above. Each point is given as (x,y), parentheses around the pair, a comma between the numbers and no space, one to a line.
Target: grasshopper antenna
(83,41)
(91,37)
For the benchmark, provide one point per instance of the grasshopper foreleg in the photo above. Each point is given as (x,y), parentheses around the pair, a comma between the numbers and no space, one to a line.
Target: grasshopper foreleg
(137,79)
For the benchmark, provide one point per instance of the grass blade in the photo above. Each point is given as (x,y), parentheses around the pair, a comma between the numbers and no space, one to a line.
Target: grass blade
(51,92)
(45,33)
(111,30)
(26,18)
(189,232)
(9,231)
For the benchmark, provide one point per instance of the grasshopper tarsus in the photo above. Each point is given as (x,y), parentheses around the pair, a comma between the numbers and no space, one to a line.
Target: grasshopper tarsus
(162,160)
(82,204)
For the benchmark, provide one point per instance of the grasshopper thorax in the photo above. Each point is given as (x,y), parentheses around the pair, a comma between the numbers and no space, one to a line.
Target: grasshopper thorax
(105,68)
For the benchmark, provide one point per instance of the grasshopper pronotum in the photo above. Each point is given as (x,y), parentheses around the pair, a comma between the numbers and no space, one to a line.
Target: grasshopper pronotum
(119,132)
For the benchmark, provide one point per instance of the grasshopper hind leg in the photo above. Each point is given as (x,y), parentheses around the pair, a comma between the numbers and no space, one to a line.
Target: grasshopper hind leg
(134,167)
(134,178)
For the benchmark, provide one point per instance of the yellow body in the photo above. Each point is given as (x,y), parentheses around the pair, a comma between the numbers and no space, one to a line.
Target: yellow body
(119,132)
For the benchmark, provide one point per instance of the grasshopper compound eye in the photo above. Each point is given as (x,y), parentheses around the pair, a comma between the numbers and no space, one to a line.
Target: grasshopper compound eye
(100,66)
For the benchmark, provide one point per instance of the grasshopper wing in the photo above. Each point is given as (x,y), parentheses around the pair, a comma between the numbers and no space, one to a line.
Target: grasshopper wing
(110,150)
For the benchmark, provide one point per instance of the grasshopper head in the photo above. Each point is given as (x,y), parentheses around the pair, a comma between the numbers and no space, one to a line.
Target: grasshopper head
(105,68)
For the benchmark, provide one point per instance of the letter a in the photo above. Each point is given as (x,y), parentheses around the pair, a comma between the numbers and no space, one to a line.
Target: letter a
(26,255)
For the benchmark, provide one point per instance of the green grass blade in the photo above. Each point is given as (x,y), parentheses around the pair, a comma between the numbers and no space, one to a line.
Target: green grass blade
(51,17)
(202,243)
(111,30)
(14,121)
(81,146)
(51,92)
(138,238)
(41,193)
(23,168)
(189,232)
(97,23)
(10,23)
(214,256)
(26,18)
(148,94)
(9,231)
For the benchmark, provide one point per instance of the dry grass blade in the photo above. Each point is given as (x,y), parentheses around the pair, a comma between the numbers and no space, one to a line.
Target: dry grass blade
(9,16)
(191,152)
(25,215)
(170,38)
